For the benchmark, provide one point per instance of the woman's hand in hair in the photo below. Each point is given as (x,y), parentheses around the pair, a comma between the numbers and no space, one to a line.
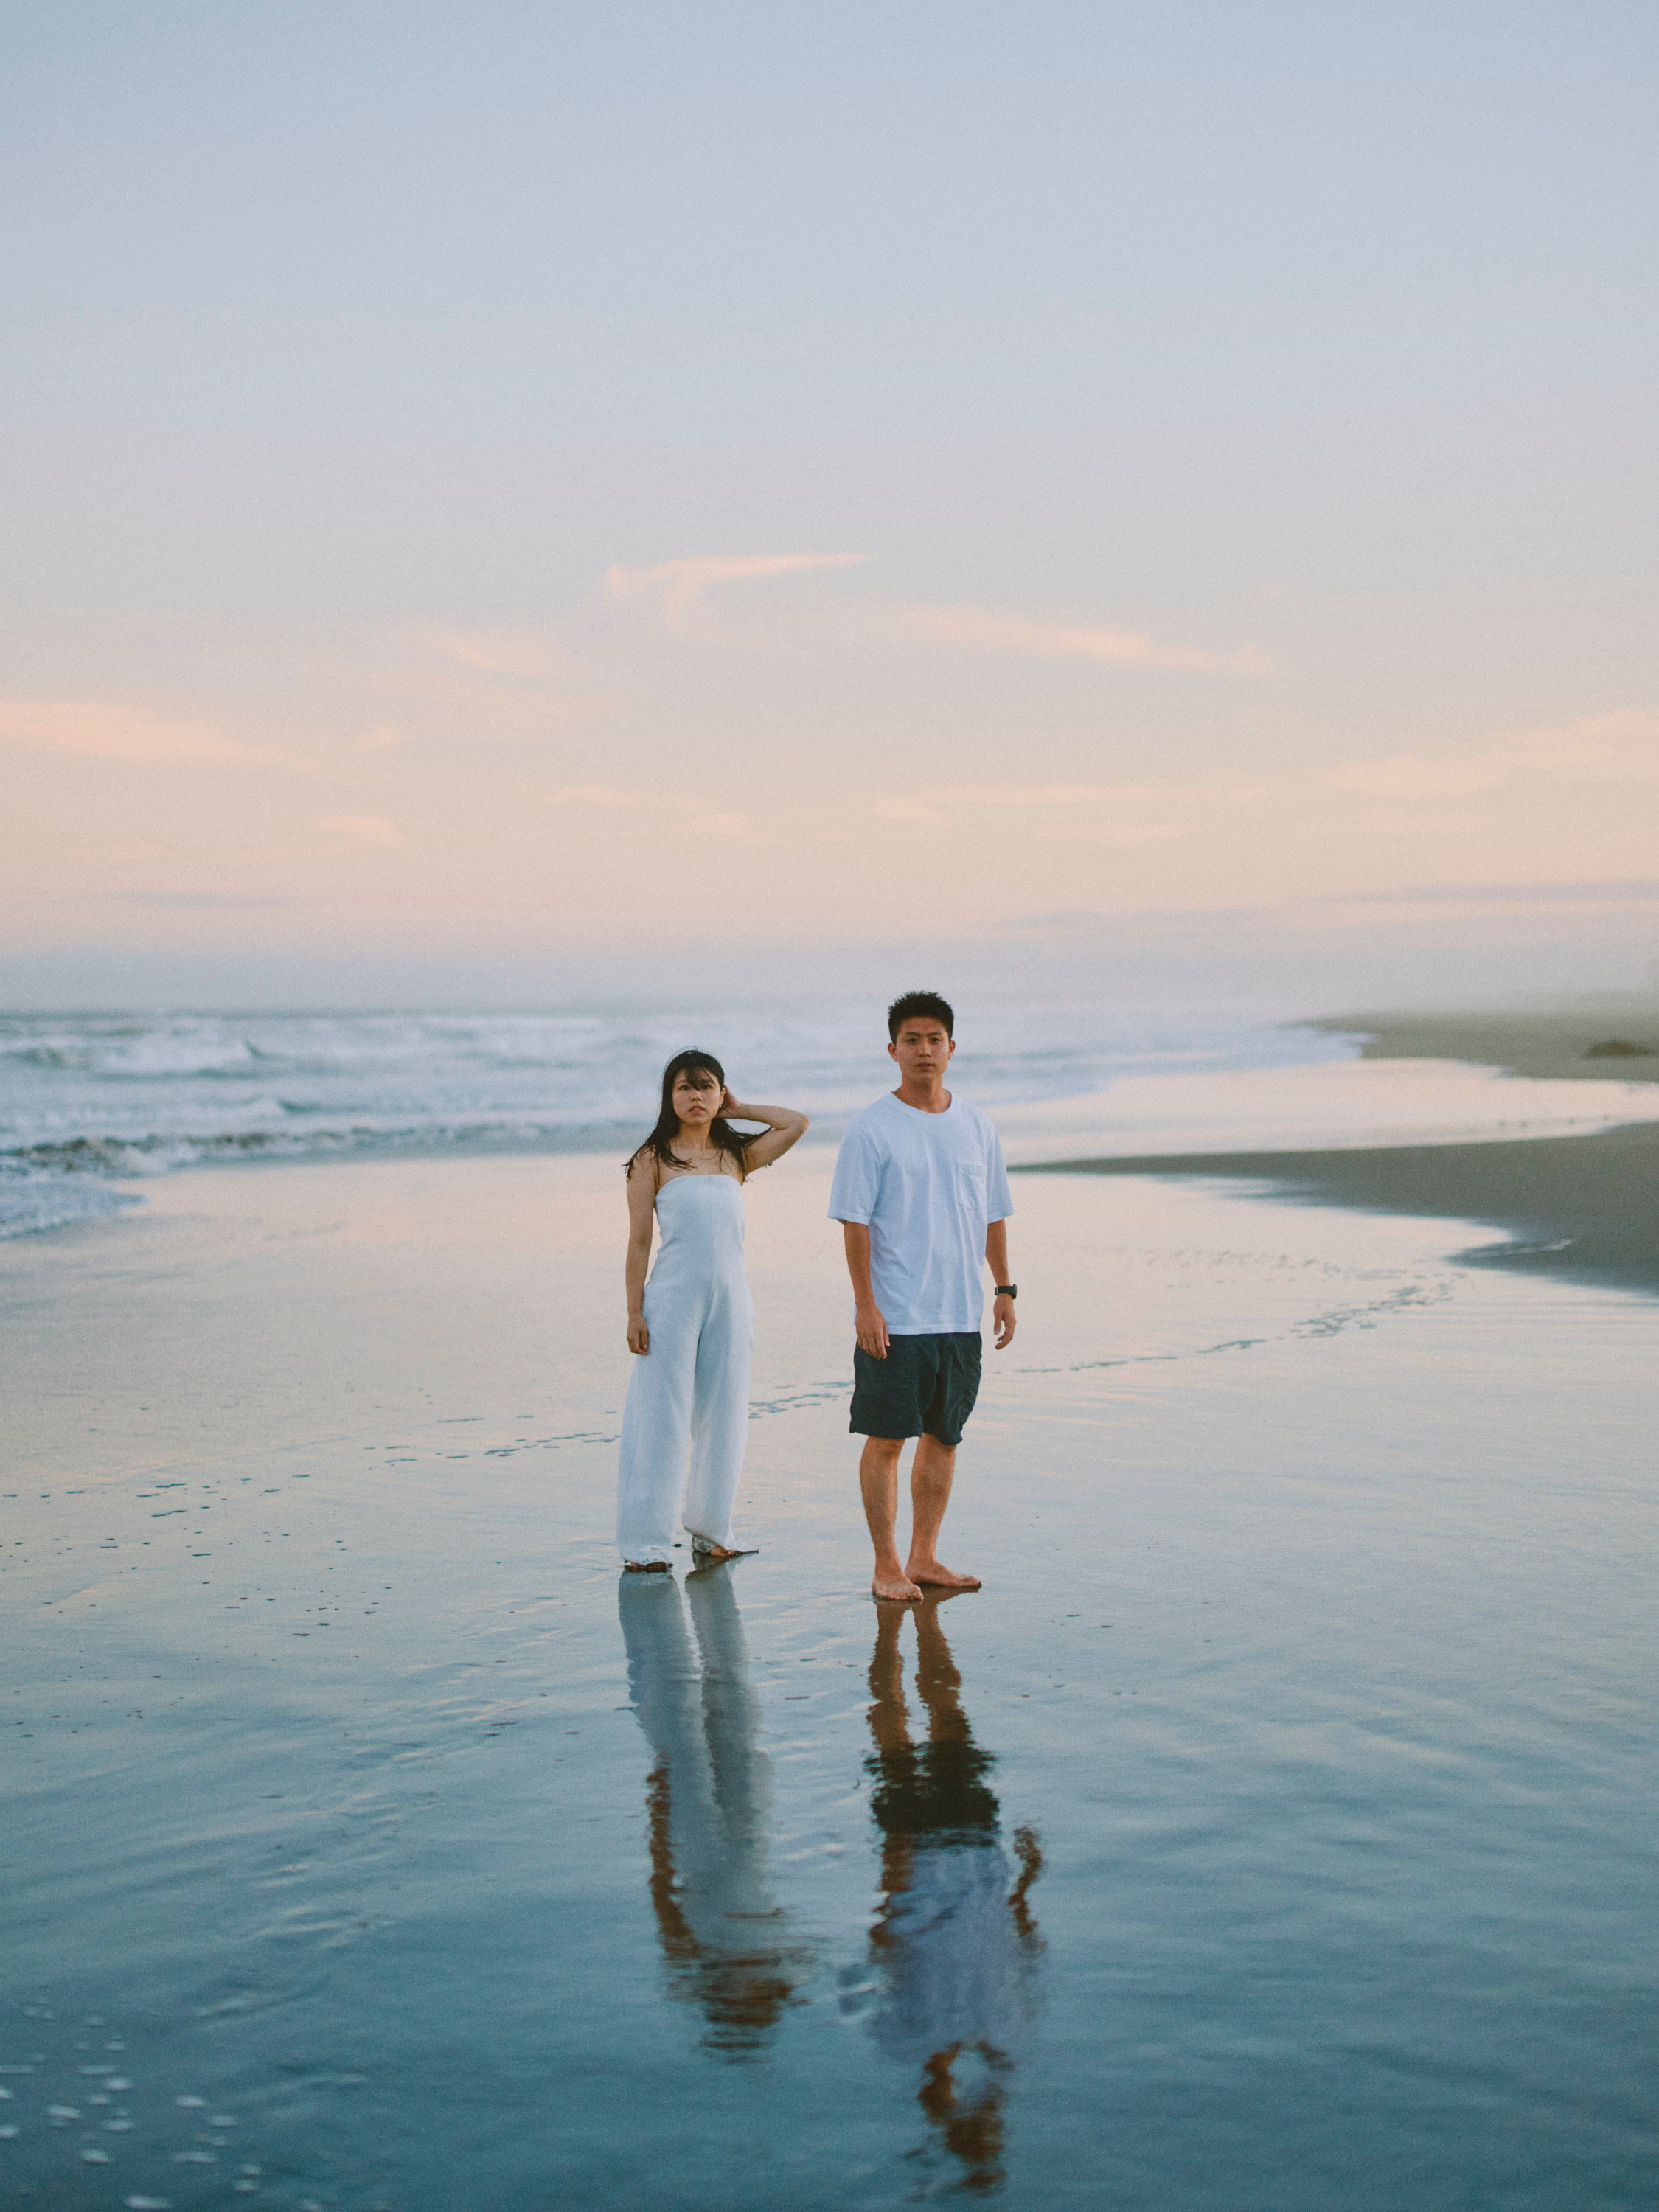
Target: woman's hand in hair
(780,1127)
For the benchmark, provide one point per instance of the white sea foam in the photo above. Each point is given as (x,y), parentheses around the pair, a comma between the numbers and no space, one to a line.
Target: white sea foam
(38,1198)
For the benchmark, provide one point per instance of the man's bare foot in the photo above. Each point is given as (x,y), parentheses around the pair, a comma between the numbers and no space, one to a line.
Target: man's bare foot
(645,1566)
(932,1576)
(899,1588)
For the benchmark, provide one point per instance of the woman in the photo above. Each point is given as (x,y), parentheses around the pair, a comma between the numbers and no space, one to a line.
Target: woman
(693,1324)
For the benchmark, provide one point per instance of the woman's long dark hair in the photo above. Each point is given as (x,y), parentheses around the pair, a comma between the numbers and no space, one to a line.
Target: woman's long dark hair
(721,1134)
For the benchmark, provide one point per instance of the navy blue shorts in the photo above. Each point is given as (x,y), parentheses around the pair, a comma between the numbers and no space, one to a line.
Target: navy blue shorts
(926,1386)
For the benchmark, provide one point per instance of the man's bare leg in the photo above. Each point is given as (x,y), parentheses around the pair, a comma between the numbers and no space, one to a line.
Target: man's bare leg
(931,1475)
(878,1480)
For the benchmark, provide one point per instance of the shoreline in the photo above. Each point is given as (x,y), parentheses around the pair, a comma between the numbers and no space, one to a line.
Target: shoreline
(131,1185)
(1583,1207)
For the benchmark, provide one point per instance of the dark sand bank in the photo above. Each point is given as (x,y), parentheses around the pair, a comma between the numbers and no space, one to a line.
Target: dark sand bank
(1583,1206)
(1551,1043)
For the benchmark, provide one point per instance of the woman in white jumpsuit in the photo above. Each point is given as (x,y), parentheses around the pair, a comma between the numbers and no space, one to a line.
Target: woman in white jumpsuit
(692,1324)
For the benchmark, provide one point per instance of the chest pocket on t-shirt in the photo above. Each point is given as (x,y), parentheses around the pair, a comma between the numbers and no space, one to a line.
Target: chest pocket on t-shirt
(971,1189)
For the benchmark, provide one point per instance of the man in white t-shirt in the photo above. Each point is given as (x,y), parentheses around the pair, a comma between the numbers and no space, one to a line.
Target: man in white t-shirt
(922,1196)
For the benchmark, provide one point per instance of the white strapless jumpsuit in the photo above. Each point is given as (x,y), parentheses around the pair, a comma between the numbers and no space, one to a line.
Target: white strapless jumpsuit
(687,1397)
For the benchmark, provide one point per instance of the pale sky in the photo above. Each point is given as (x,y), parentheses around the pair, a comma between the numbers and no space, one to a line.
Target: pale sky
(506,480)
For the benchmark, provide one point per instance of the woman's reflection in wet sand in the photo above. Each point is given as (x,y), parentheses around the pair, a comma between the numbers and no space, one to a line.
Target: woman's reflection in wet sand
(708,1806)
(954,1946)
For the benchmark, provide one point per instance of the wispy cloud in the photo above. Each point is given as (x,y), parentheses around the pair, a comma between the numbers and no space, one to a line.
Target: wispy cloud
(105,730)
(1121,833)
(363,828)
(590,794)
(719,825)
(925,811)
(467,686)
(682,584)
(1431,906)
(680,587)
(470,706)
(1405,775)
(1637,891)
(1089,795)
(934,806)
(530,654)
(986,630)
(203,902)
(1620,748)
(1475,908)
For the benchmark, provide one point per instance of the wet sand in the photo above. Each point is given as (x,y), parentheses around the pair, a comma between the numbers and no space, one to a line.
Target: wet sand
(1586,1207)
(1555,1043)
(1275,1829)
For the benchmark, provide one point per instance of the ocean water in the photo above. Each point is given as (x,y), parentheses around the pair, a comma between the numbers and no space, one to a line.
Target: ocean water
(89,1102)
(1275,1832)
(93,1107)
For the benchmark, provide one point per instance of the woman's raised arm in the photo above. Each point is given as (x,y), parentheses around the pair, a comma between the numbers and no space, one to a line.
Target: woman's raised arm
(784,1127)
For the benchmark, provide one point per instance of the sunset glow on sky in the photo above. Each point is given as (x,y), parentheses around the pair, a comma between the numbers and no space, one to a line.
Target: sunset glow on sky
(495,481)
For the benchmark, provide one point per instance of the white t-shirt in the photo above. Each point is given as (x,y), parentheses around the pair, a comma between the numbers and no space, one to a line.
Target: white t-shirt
(928,1185)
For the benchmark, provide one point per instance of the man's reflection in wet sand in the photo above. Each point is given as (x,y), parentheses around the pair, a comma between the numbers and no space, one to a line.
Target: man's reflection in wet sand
(954,1946)
(709,1808)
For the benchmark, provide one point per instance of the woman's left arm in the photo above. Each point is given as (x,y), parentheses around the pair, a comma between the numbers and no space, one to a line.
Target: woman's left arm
(784,1127)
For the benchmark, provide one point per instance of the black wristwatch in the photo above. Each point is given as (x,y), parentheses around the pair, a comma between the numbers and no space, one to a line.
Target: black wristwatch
(1008,1291)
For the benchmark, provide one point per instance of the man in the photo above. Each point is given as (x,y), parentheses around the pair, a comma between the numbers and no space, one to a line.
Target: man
(922,1196)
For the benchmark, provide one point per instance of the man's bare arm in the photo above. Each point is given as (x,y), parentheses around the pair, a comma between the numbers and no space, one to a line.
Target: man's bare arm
(996,1258)
(870,1324)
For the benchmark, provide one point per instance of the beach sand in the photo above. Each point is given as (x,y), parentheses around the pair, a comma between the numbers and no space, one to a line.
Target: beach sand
(371,1842)
(1551,1043)
(1584,1206)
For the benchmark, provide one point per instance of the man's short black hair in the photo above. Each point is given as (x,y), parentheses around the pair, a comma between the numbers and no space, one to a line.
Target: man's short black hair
(919,1002)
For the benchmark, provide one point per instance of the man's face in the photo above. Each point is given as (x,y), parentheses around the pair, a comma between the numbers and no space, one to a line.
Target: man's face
(922,1048)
